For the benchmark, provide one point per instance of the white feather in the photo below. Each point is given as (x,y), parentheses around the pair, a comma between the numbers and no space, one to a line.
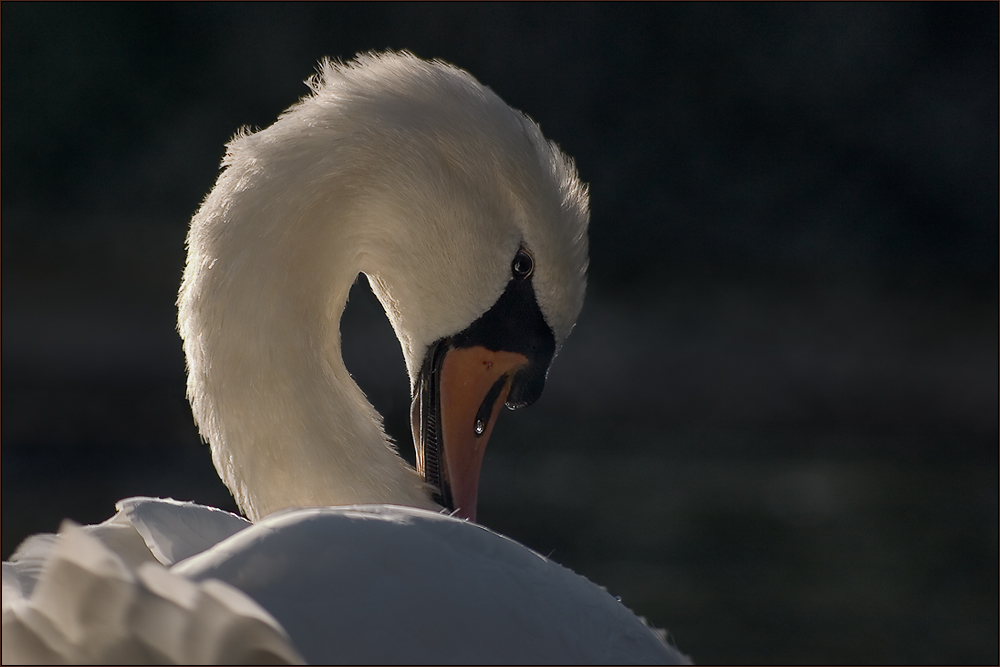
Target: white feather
(423,179)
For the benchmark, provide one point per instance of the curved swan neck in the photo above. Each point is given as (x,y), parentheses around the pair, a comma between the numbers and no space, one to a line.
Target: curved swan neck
(409,171)
(260,312)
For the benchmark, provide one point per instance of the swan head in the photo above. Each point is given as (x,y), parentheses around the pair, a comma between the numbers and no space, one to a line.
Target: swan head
(470,226)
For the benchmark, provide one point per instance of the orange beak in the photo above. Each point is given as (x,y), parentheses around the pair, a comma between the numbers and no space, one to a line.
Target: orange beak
(473,384)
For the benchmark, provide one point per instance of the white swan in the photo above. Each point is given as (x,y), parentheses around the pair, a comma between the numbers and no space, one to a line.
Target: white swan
(471,229)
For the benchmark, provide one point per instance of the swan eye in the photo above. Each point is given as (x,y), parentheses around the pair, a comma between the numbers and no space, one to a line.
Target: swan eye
(522,266)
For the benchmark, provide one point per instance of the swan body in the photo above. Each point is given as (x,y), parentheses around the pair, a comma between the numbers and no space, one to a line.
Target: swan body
(373,584)
(471,229)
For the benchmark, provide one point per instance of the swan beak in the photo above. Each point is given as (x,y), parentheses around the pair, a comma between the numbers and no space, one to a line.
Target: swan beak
(472,386)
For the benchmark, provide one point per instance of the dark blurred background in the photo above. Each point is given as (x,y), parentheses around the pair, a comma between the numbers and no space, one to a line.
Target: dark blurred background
(774,429)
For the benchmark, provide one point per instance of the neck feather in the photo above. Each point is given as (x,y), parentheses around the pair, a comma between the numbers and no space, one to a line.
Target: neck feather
(259,312)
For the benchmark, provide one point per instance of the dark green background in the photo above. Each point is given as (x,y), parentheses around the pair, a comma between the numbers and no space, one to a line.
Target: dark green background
(774,429)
